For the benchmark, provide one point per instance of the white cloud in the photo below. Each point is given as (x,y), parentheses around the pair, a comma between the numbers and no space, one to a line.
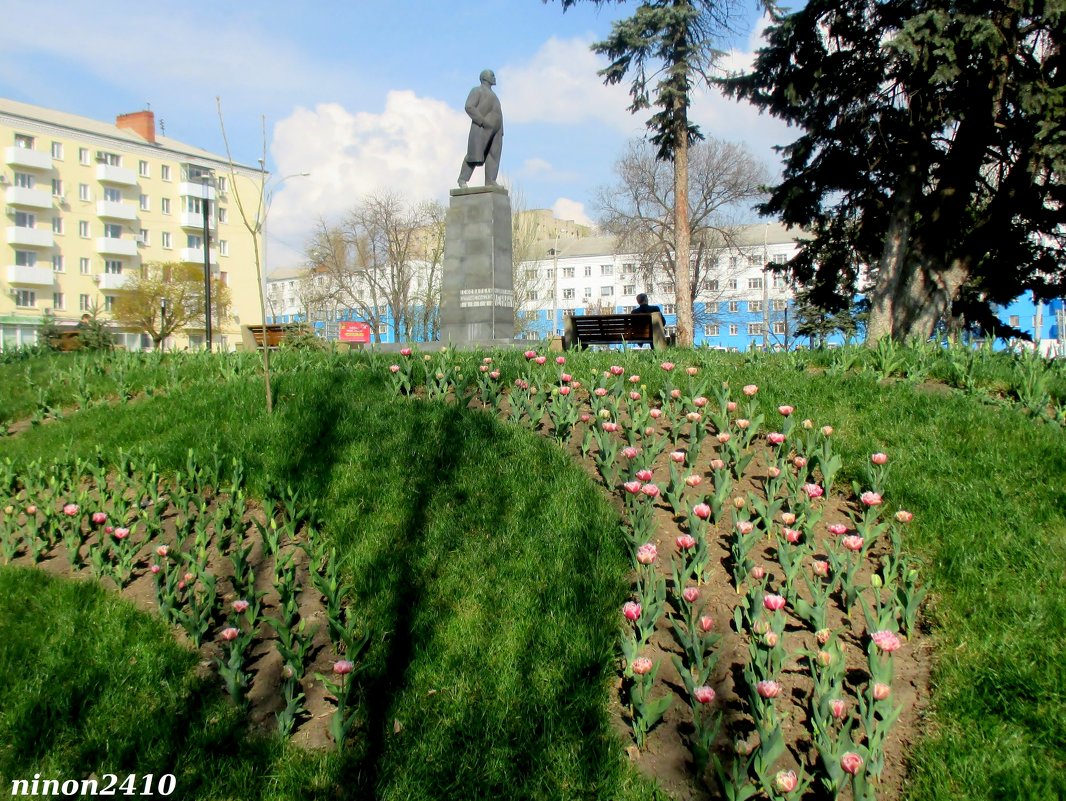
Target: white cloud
(414,146)
(566,209)
(560,85)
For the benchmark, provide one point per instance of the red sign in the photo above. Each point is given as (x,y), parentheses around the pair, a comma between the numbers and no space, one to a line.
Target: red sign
(354,332)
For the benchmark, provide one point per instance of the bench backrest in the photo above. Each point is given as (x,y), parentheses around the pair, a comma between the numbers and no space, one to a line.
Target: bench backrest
(611,329)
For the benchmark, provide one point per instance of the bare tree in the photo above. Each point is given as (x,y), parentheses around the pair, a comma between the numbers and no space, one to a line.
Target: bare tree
(163,298)
(334,253)
(638,209)
(429,253)
(530,282)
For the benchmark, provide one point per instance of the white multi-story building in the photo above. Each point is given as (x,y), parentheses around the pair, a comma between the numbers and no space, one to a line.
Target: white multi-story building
(88,203)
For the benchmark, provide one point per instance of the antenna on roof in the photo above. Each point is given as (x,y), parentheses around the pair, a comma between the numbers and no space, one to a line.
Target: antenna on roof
(163,127)
(147,105)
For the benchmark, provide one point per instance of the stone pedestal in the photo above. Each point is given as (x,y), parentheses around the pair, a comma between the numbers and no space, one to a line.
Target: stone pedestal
(477,285)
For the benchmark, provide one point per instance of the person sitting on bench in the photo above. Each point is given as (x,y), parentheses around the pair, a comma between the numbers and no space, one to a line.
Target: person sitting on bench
(644,308)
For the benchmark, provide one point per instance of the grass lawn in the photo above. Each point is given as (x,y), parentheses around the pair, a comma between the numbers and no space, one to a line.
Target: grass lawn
(492,569)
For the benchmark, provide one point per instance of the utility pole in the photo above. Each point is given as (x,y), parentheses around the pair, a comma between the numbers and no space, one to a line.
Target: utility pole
(207,262)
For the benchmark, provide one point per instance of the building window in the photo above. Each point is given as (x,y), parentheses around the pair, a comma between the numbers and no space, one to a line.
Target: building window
(710,284)
(112,231)
(568,272)
(588,292)
(25,219)
(606,269)
(710,330)
(146,203)
(628,267)
(23,180)
(144,237)
(57,263)
(111,159)
(83,155)
(194,242)
(223,215)
(588,270)
(25,298)
(568,294)
(166,240)
(669,308)
(109,302)
(164,205)
(754,261)
(779,282)
(734,329)
(192,205)
(112,195)
(383,329)
(779,327)
(25,258)
(755,283)
(755,329)
(734,262)
(223,247)
(83,303)
(734,306)
(142,169)
(1015,321)
(223,183)
(24,141)
(113,267)
(164,172)
(779,258)
(83,229)
(57,150)
(755,305)
(57,301)
(531,274)
(606,291)
(629,289)
(83,265)
(57,188)
(780,305)
(731,283)
(533,295)
(83,192)
(57,225)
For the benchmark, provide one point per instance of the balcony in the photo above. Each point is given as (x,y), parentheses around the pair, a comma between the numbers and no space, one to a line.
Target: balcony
(21,196)
(108,246)
(110,174)
(24,157)
(190,219)
(111,280)
(196,256)
(34,276)
(114,210)
(191,189)
(31,237)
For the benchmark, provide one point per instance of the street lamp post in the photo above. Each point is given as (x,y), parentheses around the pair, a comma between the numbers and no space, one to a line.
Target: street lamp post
(207,263)
(162,321)
(266,216)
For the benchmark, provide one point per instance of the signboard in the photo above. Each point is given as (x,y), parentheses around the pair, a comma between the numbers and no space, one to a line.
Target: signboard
(354,332)
(469,298)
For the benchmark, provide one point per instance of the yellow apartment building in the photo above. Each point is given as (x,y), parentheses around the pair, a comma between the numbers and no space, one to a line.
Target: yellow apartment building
(87,203)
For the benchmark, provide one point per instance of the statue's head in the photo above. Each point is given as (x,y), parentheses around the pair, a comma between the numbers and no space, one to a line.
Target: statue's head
(489,77)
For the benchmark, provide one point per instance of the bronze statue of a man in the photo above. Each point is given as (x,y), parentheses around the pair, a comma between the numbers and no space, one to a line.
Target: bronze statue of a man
(486,131)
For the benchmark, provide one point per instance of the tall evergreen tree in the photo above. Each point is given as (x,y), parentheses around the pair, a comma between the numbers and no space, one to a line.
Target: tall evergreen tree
(932,147)
(666,47)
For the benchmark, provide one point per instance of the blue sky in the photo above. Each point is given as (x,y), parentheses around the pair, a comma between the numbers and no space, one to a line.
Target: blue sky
(364,95)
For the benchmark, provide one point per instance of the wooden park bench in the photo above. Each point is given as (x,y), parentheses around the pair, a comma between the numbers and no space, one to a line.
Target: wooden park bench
(66,340)
(614,329)
(253,336)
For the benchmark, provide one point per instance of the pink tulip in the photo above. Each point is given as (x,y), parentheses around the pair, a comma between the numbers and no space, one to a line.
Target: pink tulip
(825,659)
(821,568)
(837,529)
(768,689)
(823,636)
(770,639)
(870,498)
(121,533)
(629,452)
(647,553)
(879,458)
(599,392)
(342,667)
(773,472)
(609,427)
(162,551)
(705,623)
(540,359)
(743,424)
(724,437)
(827,431)
(667,366)
(903,516)
(632,487)
(494,375)
(230,634)
(632,610)
(788,518)
(649,430)
(799,462)
(651,490)
(564,391)
(792,536)
(813,491)
(560,360)
(634,396)
(405,351)
(70,510)
(641,665)
(704,695)
(773,602)
(585,417)
(775,438)
(617,370)
(677,456)
(853,543)
(484,368)
(530,354)
(718,464)
(785,781)
(565,377)
(31,510)
(644,475)
(758,572)
(394,368)
(731,406)
(655,414)
(881,691)
(691,370)
(750,390)
(693,417)
(188,578)
(785,411)
(109,529)
(887,641)
(675,394)
(693,480)
(745,526)
(685,542)
(699,402)
(240,606)
(153,569)
(851,763)
(691,594)
(99,518)
(701,510)
(487,360)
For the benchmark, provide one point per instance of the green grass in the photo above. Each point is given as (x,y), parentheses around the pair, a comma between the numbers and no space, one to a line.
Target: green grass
(492,571)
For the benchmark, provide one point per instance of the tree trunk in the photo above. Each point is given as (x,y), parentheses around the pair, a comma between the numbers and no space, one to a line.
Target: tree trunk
(894,266)
(682,265)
